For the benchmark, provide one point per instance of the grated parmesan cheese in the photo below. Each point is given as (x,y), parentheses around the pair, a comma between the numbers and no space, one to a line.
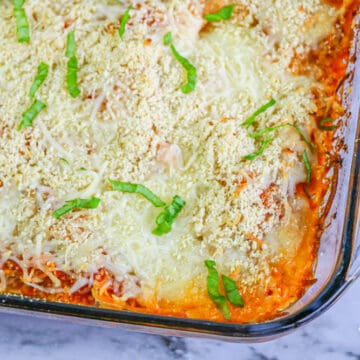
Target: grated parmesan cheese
(132,123)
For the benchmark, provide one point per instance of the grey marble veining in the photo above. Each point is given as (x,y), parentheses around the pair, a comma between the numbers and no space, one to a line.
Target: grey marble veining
(334,336)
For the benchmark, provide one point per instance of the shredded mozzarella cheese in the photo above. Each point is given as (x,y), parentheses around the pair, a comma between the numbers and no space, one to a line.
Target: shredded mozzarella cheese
(132,123)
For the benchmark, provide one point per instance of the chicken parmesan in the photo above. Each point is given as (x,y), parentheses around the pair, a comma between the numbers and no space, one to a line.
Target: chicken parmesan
(168,156)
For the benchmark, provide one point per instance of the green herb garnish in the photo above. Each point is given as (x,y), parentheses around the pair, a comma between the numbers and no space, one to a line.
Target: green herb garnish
(213,289)
(307,167)
(324,127)
(305,139)
(224,13)
(190,69)
(259,111)
(70,45)
(22,24)
(70,205)
(42,73)
(167,217)
(125,18)
(232,292)
(30,114)
(167,39)
(72,66)
(71,78)
(264,144)
(308,171)
(138,189)
(268,130)
(18,4)
(64,160)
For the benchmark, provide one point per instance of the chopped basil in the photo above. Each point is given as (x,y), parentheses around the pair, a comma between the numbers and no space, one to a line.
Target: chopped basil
(167,217)
(213,289)
(224,13)
(22,24)
(42,73)
(308,172)
(190,69)
(267,130)
(64,160)
(307,167)
(232,292)
(70,205)
(72,66)
(138,189)
(259,111)
(71,78)
(18,4)
(305,139)
(324,127)
(30,114)
(167,39)
(264,144)
(125,18)
(70,45)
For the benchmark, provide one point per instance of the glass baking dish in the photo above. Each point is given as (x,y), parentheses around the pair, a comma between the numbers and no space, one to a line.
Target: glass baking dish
(338,263)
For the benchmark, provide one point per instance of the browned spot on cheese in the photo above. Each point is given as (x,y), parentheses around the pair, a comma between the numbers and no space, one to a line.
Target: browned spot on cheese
(212,6)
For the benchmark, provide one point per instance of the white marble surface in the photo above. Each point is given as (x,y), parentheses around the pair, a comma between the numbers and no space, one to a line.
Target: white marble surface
(333,336)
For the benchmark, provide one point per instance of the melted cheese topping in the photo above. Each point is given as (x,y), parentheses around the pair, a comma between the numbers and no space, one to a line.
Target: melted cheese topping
(132,123)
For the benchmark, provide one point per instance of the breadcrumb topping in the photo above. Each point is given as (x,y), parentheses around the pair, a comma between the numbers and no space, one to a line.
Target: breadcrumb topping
(132,123)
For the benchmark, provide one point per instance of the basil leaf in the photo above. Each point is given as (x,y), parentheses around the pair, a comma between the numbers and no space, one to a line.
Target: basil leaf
(70,45)
(64,160)
(167,217)
(30,114)
(72,66)
(307,167)
(232,292)
(167,39)
(259,111)
(71,77)
(305,139)
(125,18)
(138,189)
(42,73)
(18,4)
(264,145)
(190,69)
(213,289)
(70,205)
(22,24)
(324,127)
(224,13)
(308,172)
(267,130)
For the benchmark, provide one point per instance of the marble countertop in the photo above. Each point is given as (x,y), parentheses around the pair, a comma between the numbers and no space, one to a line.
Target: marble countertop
(333,336)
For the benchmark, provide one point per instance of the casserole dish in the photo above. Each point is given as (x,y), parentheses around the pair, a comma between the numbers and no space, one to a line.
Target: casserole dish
(337,262)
